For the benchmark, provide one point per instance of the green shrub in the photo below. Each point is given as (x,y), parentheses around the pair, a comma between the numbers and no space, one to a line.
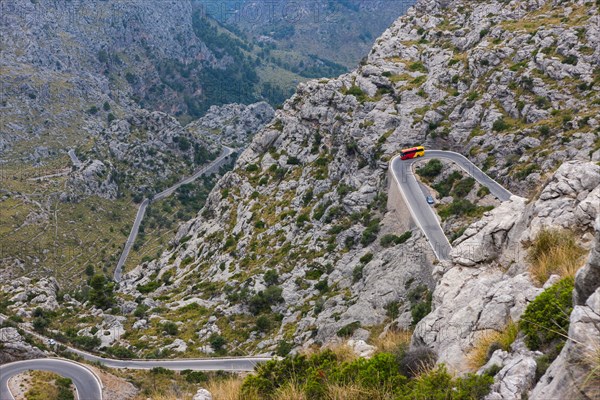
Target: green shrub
(546,319)
(420,300)
(262,301)
(378,377)
(194,376)
(357,92)
(148,287)
(417,67)
(120,352)
(462,207)
(284,348)
(392,310)
(483,191)
(322,286)
(263,323)
(101,293)
(140,311)
(170,328)
(570,59)
(391,240)
(445,186)
(86,342)
(366,258)
(302,219)
(271,277)
(500,125)
(431,169)
(370,233)
(357,273)
(217,342)
(472,96)
(348,329)
(463,187)
(313,273)
(542,102)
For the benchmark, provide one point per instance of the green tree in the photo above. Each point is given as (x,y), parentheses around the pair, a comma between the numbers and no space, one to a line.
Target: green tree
(217,342)
(101,293)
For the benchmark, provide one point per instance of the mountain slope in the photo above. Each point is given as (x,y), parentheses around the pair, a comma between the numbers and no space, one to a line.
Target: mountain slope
(292,246)
(308,198)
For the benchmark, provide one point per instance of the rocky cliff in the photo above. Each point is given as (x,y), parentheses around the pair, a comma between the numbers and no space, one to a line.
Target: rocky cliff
(306,241)
(14,348)
(295,233)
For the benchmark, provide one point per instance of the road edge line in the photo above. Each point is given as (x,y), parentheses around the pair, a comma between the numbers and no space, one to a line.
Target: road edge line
(412,213)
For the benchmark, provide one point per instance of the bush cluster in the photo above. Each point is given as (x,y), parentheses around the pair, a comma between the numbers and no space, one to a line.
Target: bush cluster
(431,169)
(379,377)
(545,321)
(391,239)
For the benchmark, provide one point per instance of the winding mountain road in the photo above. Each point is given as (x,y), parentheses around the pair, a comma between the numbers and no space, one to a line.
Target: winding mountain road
(87,384)
(212,167)
(423,213)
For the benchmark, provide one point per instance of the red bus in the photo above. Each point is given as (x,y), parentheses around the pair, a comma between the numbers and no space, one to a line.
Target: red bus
(415,152)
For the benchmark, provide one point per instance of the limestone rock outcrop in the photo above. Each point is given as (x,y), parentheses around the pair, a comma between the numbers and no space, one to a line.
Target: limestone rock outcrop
(14,348)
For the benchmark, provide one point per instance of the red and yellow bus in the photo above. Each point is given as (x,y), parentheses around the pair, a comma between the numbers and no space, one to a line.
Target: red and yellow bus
(415,152)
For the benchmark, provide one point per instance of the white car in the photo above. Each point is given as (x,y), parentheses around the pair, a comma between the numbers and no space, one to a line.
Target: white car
(51,342)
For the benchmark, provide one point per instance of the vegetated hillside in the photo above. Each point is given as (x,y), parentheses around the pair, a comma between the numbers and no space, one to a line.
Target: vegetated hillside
(330,32)
(72,78)
(305,234)
(306,242)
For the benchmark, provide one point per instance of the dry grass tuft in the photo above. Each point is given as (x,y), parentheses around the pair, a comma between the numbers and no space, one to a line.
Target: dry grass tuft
(353,392)
(226,389)
(554,252)
(392,341)
(488,342)
(342,351)
(290,391)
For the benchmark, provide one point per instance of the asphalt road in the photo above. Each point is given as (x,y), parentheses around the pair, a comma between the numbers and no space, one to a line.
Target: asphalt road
(211,168)
(87,384)
(85,380)
(422,213)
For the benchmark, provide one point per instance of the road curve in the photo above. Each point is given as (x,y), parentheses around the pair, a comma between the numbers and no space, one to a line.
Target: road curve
(212,167)
(87,383)
(199,364)
(81,375)
(423,213)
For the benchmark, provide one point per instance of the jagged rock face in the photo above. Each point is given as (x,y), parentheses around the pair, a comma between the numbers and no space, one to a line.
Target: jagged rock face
(487,283)
(94,178)
(507,72)
(14,348)
(587,279)
(570,375)
(463,75)
(58,57)
(233,124)
(27,293)
(574,373)
(570,199)
(517,374)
